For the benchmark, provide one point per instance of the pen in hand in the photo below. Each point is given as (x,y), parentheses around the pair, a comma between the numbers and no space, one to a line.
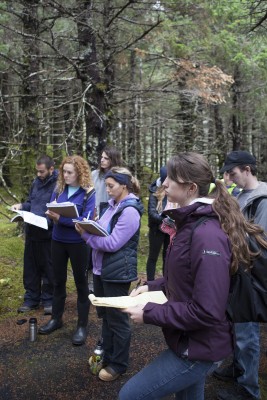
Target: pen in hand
(139,288)
(138,284)
(88,215)
(133,292)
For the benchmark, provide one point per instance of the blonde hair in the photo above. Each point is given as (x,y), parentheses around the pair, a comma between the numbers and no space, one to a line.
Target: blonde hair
(160,194)
(194,168)
(82,169)
(133,186)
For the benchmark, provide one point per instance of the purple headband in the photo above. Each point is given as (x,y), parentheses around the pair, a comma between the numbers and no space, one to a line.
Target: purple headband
(122,179)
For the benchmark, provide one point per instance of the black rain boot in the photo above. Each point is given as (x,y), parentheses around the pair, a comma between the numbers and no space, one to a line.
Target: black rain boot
(79,336)
(51,326)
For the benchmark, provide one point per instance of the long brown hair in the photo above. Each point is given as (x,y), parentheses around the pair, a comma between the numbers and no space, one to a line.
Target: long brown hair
(194,168)
(114,156)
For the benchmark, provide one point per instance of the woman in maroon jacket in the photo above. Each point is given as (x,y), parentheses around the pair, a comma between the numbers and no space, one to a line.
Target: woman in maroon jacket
(196,282)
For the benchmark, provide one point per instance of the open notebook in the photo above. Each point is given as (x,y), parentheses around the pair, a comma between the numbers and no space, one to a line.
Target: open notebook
(30,218)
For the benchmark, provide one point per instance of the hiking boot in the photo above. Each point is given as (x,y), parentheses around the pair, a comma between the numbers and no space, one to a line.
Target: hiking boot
(25,308)
(226,374)
(108,374)
(236,393)
(50,327)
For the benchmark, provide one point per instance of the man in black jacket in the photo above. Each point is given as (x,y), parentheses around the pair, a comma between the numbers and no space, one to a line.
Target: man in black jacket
(157,239)
(38,272)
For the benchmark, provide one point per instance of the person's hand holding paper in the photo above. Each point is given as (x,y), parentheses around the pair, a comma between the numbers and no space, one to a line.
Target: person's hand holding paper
(133,304)
(136,312)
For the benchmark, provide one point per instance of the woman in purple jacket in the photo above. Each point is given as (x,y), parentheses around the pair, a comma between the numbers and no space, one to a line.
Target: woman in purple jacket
(196,282)
(74,185)
(115,265)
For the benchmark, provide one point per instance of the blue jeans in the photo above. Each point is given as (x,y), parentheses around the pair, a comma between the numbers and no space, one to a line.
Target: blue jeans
(169,374)
(247,355)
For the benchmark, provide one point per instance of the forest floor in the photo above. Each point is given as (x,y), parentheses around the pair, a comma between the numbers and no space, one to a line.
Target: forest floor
(51,368)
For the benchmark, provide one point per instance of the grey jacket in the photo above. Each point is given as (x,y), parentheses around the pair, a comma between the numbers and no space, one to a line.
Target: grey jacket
(100,189)
(261,213)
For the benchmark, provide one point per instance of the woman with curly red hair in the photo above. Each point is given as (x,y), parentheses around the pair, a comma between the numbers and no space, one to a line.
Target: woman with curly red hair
(74,184)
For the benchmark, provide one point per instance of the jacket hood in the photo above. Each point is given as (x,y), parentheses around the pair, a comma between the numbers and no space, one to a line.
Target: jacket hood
(153,187)
(260,191)
(130,200)
(193,211)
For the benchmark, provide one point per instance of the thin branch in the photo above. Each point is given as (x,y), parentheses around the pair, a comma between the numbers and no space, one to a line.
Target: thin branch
(119,12)
(141,36)
(260,22)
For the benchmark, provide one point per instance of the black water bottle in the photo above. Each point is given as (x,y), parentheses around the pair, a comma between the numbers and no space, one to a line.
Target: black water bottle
(32,329)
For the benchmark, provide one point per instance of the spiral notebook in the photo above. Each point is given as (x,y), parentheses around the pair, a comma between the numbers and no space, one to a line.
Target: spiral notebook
(66,209)
(92,227)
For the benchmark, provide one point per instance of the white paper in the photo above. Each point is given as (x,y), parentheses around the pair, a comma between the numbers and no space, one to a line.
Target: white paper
(129,301)
(31,218)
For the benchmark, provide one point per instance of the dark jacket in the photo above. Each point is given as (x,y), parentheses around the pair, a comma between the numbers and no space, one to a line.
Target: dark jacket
(64,231)
(40,194)
(154,218)
(121,266)
(196,283)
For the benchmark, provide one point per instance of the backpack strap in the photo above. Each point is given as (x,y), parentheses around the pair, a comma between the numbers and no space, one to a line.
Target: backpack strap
(87,196)
(252,208)
(199,222)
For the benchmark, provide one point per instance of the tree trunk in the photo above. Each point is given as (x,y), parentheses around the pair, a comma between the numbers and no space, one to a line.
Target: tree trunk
(236,123)
(93,86)
(30,86)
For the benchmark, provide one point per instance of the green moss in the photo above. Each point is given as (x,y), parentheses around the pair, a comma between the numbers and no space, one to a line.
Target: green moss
(101,86)
(263,385)
(11,264)
(11,285)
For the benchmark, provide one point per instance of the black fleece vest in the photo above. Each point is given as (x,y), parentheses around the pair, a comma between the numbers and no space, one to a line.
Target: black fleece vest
(121,266)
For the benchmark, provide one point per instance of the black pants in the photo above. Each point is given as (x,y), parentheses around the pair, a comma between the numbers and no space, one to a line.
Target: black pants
(78,255)
(38,274)
(156,240)
(116,331)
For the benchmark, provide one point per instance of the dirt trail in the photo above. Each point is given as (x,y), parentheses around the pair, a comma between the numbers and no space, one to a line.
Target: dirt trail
(53,369)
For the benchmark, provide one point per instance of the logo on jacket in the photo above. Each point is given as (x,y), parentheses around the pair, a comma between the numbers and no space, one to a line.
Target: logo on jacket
(211,253)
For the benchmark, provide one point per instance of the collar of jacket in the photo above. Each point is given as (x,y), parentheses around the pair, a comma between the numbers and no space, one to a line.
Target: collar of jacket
(193,212)
(52,177)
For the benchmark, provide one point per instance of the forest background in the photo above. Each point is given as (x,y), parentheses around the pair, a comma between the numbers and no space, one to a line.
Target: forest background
(151,77)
